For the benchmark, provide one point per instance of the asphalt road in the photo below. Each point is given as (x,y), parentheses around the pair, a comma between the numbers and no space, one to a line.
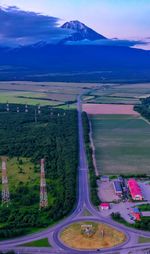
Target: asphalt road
(83,202)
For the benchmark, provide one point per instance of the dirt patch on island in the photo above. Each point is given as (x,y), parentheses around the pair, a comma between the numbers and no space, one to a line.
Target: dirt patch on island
(103,236)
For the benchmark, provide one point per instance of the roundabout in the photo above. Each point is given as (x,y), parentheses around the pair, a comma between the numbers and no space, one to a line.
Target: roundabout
(91,235)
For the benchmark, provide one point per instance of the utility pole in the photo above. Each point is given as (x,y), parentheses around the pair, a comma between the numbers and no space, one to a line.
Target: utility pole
(35,116)
(26,108)
(7,107)
(43,191)
(5,188)
(39,109)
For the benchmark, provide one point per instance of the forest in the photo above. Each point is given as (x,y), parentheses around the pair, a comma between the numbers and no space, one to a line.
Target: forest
(144,107)
(47,133)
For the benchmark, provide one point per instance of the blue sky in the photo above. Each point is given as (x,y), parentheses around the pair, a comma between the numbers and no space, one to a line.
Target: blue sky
(113,18)
(123,19)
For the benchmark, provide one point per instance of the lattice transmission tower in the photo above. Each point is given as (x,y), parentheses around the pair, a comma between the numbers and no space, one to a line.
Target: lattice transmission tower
(5,188)
(43,191)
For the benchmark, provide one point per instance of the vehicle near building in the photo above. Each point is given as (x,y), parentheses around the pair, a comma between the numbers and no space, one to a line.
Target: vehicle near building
(136,214)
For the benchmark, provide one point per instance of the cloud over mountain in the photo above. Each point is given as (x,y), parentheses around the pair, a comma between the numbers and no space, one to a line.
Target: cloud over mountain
(21,27)
(110,42)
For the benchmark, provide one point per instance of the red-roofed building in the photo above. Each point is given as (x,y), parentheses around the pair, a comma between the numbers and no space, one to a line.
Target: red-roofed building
(104,206)
(135,190)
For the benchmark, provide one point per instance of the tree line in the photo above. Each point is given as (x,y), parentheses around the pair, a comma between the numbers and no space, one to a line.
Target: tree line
(144,107)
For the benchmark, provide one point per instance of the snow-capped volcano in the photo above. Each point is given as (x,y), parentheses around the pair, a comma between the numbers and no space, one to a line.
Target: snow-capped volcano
(81,32)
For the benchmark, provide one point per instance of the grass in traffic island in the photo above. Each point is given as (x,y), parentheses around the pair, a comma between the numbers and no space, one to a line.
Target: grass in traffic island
(86,213)
(39,243)
(143,240)
(91,235)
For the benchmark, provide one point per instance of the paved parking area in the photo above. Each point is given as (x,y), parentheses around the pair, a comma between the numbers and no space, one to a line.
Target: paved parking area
(106,192)
(123,208)
(145,187)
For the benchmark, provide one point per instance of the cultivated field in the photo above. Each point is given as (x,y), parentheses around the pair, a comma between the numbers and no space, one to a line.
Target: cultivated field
(122,144)
(119,93)
(60,93)
(108,109)
(104,236)
(44,93)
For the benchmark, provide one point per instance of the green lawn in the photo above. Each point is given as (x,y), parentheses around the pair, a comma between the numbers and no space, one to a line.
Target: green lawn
(40,243)
(122,144)
(143,240)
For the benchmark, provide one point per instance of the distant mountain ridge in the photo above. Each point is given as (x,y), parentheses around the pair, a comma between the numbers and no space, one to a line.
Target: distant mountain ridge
(81,32)
(46,62)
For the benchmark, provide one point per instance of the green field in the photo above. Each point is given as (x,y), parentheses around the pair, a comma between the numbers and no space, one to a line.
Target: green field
(43,93)
(122,144)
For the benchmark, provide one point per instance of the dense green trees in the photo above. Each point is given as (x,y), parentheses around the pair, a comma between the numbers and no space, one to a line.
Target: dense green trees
(144,207)
(53,135)
(144,107)
(143,224)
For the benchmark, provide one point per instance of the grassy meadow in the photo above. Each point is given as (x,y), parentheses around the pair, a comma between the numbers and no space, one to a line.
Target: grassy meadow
(21,170)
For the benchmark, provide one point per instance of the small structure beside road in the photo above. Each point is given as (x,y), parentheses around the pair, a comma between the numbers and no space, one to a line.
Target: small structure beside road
(104,206)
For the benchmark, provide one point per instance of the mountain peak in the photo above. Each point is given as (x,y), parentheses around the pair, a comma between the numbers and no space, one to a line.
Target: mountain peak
(81,32)
(74,25)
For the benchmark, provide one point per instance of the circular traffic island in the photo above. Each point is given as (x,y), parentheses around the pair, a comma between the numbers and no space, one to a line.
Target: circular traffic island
(89,235)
